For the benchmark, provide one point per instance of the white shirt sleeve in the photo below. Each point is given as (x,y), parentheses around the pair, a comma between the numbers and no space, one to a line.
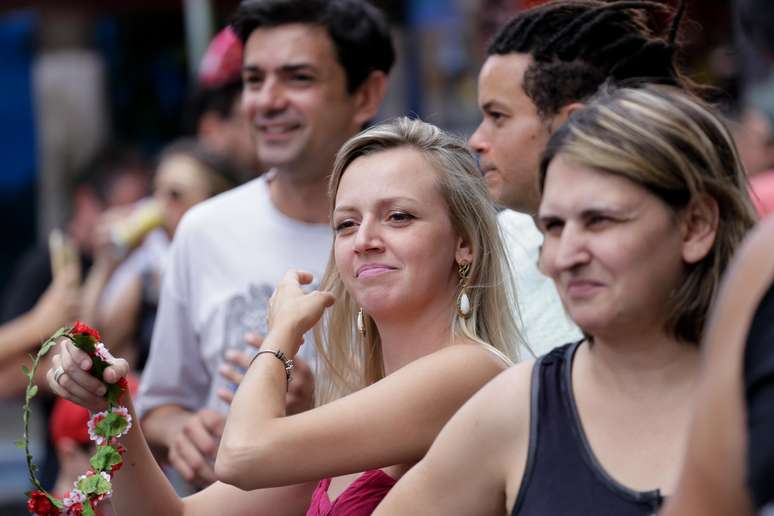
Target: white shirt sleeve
(175,373)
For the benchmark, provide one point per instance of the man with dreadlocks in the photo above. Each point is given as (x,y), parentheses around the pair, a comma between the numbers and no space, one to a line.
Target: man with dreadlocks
(540,68)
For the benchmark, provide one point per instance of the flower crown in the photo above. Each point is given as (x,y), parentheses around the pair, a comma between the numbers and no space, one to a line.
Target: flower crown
(104,429)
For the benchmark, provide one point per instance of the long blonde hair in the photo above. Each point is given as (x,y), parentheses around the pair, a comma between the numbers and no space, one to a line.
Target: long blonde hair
(349,361)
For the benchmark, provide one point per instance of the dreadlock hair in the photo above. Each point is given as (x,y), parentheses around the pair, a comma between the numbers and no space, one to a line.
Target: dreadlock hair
(577,45)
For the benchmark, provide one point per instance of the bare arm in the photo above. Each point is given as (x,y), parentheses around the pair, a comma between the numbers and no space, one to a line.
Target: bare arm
(393,421)
(712,481)
(475,465)
(140,487)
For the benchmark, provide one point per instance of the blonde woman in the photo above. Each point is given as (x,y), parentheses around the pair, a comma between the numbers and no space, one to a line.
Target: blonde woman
(644,201)
(419,317)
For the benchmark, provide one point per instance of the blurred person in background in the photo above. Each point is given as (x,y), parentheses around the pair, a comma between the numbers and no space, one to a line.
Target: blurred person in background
(540,67)
(187,173)
(214,112)
(314,74)
(115,177)
(755,138)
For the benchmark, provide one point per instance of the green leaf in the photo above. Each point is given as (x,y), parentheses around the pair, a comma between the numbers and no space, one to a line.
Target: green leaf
(112,425)
(87,510)
(105,458)
(94,484)
(32,392)
(26,370)
(113,394)
(20,443)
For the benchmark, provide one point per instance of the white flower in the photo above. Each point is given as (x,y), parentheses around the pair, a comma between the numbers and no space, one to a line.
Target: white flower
(103,353)
(123,411)
(96,418)
(74,496)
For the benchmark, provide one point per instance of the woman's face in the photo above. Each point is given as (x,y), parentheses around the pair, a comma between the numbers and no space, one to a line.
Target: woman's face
(613,249)
(395,248)
(180,183)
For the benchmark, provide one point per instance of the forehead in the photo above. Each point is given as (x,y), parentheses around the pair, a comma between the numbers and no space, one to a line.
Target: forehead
(402,172)
(502,78)
(288,45)
(571,187)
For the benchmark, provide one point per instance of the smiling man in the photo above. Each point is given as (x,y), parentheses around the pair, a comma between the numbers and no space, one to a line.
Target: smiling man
(540,67)
(314,73)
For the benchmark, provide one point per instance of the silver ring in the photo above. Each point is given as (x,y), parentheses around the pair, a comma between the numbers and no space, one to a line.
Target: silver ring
(58,372)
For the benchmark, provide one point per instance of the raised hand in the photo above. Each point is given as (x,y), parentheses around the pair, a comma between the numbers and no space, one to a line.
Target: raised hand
(292,311)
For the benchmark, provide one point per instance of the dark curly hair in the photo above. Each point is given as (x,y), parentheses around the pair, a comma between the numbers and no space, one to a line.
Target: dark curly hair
(577,45)
(359,31)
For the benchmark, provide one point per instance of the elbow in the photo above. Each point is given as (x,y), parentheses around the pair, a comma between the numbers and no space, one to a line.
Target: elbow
(230,467)
(242,466)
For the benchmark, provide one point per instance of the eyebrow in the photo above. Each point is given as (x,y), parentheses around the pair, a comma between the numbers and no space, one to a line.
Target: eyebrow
(287,68)
(382,202)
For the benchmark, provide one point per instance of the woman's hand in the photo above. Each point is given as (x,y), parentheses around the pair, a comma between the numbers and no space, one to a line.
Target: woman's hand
(293,312)
(75,383)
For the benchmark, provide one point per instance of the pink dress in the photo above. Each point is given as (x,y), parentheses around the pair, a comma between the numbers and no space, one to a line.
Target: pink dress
(360,498)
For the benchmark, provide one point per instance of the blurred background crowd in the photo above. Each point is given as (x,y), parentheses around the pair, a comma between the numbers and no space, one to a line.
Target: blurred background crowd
(117,116)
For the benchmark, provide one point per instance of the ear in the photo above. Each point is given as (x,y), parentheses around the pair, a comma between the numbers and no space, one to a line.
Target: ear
(464,252)
(564,113)
(699,226)
(368,97)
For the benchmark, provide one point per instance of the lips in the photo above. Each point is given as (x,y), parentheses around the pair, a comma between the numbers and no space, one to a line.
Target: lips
(276,130)
(582,288)
(372,269)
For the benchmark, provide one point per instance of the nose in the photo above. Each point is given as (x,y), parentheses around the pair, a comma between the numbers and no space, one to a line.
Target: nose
(568,250)
(267,99)
(477,140)
(368,238)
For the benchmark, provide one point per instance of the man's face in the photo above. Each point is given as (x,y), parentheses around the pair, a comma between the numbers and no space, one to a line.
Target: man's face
(295,97)
(511,136)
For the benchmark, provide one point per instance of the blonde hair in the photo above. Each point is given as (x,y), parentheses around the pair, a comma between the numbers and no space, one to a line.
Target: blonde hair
(350,362)
(673,145)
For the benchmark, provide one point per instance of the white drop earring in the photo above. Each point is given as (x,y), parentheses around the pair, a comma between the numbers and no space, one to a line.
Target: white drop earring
(463,301)
(361,323)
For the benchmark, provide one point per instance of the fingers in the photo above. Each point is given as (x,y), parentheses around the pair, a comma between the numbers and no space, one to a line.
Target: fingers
(298,277)
(231,373)
(226,395)
(66,387)
(115,371)
(254,339)
(195,446)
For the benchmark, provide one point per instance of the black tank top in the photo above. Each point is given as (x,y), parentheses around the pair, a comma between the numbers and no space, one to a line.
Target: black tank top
(562,475)
(759,392)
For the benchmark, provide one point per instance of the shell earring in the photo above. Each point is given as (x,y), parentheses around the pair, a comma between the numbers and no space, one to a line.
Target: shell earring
(463,301)
(361,323)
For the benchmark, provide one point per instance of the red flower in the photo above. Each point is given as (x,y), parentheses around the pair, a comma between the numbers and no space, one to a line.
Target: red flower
(40,504)
(75,509)
(115,467)
(83,329)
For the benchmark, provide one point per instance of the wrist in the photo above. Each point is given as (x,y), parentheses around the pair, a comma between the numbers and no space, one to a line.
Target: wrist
(282,357)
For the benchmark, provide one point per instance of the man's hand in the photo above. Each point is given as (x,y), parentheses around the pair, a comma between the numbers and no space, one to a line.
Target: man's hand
(194,444)
(300,396)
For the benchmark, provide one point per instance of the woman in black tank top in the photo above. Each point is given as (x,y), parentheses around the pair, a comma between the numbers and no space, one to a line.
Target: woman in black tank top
(644,201)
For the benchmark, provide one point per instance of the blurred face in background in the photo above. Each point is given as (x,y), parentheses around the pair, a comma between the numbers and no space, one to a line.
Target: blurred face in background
(180,182)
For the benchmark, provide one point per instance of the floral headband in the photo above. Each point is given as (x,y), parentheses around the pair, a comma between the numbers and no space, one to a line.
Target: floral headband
(104,429)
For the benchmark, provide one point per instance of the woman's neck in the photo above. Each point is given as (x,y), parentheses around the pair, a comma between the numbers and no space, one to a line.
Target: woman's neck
(406,339)
(653,361)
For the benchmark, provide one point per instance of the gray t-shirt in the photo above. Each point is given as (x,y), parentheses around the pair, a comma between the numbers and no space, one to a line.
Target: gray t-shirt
(227,256)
